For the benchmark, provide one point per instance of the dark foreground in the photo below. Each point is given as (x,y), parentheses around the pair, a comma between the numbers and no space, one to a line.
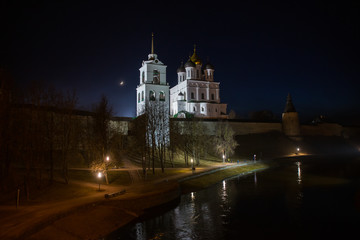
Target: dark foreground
(303,198)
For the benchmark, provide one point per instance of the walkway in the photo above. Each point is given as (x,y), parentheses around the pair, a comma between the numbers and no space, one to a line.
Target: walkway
(29,219)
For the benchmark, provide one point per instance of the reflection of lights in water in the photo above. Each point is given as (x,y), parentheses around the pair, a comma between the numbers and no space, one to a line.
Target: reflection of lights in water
(140,231)
(298,172)
(255,178)
(224,203)
(300,196)
(192,196)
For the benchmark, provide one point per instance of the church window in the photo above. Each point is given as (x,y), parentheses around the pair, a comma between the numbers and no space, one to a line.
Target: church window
(202,96)
(212,97)
(192,95)
(142,96)
(194,109)
(156,79)
(152,95)
(162,96)
(138,97)
(185,96)
(215,109)
(202,109)
(143,77)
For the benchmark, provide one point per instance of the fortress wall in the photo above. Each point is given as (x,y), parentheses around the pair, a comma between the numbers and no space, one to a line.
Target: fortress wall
(121,126)
(245,128)
(323,129)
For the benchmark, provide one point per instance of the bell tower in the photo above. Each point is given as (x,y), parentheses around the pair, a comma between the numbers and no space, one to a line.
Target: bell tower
(152,86)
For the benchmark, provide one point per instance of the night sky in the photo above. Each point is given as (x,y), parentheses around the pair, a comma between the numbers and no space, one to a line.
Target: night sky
(261,50)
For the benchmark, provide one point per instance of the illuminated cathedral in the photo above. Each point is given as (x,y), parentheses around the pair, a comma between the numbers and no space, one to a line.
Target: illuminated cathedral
(196,93)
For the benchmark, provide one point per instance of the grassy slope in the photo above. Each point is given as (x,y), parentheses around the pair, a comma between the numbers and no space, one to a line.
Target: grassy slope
(210,179)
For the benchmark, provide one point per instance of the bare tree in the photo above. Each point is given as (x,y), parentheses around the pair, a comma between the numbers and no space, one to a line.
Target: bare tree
(224,140)
(157,134)
(102,133)
(194,139)
(138,141)
(67,128)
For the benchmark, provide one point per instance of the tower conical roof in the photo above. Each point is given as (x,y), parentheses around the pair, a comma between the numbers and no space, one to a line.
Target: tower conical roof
(289,105)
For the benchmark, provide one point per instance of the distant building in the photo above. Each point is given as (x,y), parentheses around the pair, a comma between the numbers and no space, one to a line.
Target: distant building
(196,92)
(290,119)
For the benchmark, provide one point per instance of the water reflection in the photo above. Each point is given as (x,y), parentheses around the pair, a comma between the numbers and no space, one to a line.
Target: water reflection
(140,231)
(192,196)
(255,179)
(298,172)
(259,206)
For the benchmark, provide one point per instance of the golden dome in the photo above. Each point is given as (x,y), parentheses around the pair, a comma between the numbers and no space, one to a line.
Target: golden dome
(194,58)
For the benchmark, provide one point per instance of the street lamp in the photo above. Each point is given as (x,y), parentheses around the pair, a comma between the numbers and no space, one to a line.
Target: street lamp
(192,165)
(223,158)
(106,168)
(99,176)
(297,150)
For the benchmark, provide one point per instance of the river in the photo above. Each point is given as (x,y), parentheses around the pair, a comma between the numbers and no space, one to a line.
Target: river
(302,198)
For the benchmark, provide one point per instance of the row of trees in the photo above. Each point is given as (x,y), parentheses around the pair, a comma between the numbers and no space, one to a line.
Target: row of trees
(41,132)
(157,139)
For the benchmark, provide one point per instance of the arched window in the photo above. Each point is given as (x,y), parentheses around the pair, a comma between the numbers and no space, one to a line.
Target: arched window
(202,96)
(152,95)
(192,95)
(143,77)
(142,96)
(162,96)
(156,79)
(138,97)
(202,109)
(194,109)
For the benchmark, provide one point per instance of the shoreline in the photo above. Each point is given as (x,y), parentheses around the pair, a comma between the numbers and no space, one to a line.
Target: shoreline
(101,217)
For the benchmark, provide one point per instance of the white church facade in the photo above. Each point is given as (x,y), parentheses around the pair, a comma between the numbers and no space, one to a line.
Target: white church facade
(196,92)
(153,86)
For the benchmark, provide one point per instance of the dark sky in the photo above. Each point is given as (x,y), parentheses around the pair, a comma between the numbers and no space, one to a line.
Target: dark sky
(261,50)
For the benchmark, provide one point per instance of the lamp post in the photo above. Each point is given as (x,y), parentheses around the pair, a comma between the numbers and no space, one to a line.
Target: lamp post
(192,164)
(297,150)
(99,176)
(107,159)
(223,158)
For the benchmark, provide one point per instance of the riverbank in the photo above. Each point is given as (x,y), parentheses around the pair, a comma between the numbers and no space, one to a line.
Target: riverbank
(93,216)
(202,181)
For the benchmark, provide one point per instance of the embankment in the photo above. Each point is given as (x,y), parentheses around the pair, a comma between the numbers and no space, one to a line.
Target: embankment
(98,220)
